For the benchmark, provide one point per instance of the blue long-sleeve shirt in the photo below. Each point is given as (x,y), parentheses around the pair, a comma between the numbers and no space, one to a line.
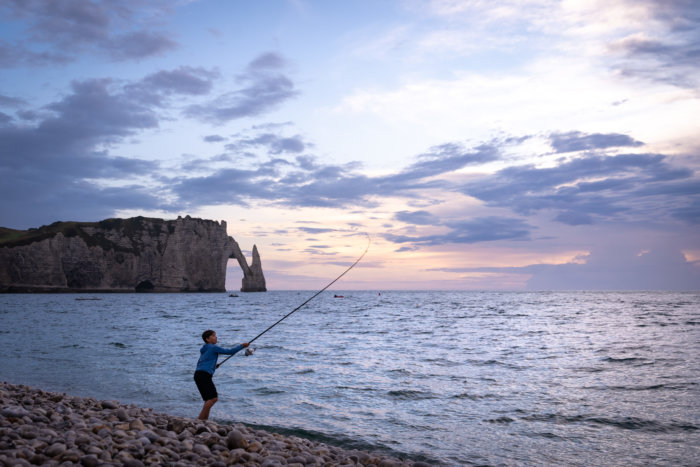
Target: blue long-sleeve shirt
(209,354)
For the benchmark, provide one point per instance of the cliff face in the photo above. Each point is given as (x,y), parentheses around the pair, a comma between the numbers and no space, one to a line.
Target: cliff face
(124,255)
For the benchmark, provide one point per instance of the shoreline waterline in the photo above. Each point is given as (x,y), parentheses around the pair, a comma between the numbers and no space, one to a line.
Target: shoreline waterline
(52,428)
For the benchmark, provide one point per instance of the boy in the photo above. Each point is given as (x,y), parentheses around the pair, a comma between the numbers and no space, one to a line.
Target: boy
(206,365)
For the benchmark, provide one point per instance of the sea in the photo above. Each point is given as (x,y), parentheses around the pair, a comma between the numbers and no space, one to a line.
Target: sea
(447,378)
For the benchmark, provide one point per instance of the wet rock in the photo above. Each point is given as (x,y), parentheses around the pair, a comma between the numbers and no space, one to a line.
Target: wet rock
(236,440)
(177,426)
(122,415)
(202,450)
(13,412)
(71,455)
(255,446)
(133,463)
(55,449)
(89,460)
(136,424)
(109,405)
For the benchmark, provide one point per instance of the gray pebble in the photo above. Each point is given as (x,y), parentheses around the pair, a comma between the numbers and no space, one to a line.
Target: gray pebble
(14,412)
(89,460)
(44,428)
(109,405)
(236,440)
(122,415)
(55,449)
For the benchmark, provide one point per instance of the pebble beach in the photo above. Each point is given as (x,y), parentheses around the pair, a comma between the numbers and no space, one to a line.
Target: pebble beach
(38,427)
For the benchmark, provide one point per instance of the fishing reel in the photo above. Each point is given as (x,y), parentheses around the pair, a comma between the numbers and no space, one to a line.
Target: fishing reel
(249,351)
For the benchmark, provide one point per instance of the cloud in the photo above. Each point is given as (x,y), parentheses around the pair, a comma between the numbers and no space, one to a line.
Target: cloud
(94,112)
(315,230)
(214,138)
(14,55)
(592,187)
(577,141)
(50,161)
(57,32)
(668,50)
(193,163)
(273,143)
(417,217)
(183,81)
(449,157)
(227,186)
(691,212)
(264,89)
(267,61)
(138,45)
(481,229)
(8,101)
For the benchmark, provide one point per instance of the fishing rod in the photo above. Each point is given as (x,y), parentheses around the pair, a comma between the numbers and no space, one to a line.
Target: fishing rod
(369,241)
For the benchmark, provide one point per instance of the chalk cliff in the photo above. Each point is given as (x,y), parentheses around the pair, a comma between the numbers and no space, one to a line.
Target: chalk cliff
(124,255)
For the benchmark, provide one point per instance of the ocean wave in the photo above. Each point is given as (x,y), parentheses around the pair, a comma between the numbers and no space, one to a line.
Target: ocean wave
(266,391)
(500,420)
(167,316)
(70,346)
(409,394)
(473,397)
(636,361)
(625,423)
(653,387)
(493,362)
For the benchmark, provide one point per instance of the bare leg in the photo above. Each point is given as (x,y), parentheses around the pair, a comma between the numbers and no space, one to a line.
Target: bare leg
(204,414)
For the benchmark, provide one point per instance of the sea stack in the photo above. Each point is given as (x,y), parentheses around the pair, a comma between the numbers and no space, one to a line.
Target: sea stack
(124,255)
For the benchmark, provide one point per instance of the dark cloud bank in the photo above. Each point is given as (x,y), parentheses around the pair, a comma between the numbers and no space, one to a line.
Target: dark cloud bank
(61,31)
(52,157)
(670,55)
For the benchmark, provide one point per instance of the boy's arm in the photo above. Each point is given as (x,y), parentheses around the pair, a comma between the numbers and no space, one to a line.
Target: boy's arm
(230,351)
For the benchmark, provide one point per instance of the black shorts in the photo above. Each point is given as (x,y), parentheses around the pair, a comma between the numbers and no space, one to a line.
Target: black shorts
(205,385)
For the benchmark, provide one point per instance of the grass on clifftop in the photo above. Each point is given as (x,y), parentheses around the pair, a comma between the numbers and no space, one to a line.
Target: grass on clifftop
(12,238)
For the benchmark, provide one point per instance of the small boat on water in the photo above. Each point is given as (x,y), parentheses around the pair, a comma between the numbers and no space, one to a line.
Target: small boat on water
(88,298)
(233,295)
(338,296)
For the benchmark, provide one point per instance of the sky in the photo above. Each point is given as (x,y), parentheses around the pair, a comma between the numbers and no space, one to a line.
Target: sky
(475,145)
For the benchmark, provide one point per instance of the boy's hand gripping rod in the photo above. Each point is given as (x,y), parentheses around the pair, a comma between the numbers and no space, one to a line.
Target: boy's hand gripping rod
(369,241)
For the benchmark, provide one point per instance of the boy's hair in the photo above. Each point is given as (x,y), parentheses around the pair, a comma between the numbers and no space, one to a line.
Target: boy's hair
(206,334)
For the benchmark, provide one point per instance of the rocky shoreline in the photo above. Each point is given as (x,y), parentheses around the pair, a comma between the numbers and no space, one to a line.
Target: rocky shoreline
(48,428)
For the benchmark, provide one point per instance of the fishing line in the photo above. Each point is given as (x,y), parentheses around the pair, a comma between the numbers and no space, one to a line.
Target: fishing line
(369,241)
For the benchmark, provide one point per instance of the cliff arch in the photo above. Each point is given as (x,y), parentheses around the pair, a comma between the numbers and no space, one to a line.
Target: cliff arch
(253,278)
(124,255)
